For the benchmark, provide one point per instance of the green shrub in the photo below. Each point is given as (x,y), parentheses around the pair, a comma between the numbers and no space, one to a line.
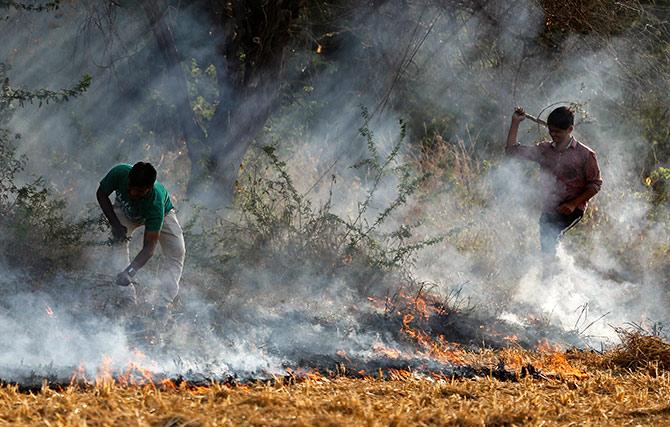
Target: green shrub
(37,234)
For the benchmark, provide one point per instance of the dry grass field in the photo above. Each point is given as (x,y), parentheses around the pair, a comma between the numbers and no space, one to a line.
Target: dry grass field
(629,385)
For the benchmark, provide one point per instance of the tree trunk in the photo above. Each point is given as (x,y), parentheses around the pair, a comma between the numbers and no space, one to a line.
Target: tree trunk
(190,133)
(259,33)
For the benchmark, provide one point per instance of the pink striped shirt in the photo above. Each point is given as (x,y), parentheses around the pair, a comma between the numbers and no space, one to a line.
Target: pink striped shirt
(567,174)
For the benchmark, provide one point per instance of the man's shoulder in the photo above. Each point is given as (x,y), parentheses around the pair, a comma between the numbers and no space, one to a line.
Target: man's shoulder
(115,178)
(584,148)
(159,189)
(119,170)
(160,195)
(121,167)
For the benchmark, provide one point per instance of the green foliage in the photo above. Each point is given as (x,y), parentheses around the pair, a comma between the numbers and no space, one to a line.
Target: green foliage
(279,225)
(277,208)
(11,165)
(37,235)
(41,96)
(30,7)
(659,181)
(379,168)
(653,117)
(203,90)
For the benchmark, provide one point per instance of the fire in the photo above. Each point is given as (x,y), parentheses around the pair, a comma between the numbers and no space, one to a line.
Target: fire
(422,308)
(79,375)
(544,346)
(104,375)
(135,373)
(511,339)
(419,308)
(555,362)
(391,353)
(314,375)
(399,374)
(438,348)
(302,374)
(406,320)
(167,384)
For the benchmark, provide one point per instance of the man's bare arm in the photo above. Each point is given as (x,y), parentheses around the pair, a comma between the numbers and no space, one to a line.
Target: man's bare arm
(148,248)
(512,135)
(125,277)
(118,230)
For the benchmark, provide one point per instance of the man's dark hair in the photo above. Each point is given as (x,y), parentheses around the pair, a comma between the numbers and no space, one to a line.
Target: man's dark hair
(561,117)
(142,175)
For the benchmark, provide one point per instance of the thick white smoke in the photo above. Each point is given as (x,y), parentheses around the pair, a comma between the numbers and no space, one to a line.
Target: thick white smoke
(269,320)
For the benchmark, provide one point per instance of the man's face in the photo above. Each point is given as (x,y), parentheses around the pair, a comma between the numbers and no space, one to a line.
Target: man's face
(138,192)
(559,135)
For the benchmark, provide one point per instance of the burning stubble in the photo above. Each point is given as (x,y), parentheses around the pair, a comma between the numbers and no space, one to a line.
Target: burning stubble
(276,314)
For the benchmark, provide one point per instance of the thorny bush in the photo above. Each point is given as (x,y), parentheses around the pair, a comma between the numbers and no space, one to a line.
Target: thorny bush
(37,234)
(278,226)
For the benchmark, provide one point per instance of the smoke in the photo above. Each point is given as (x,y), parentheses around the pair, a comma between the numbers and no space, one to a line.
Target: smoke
(465,70)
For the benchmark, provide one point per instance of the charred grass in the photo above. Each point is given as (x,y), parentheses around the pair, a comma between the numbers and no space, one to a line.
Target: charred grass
(573,388)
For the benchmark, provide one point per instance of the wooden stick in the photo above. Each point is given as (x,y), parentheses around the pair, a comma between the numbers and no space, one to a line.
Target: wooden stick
(535,119)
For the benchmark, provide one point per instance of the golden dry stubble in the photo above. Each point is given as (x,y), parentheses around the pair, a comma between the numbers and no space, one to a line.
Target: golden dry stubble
(581,390)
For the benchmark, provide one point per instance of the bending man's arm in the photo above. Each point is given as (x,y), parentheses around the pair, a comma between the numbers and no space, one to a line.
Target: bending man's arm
(118,230)
(148,248)
(150,241)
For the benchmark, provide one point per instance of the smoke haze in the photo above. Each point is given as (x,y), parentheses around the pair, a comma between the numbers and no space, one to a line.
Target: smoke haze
(466,70)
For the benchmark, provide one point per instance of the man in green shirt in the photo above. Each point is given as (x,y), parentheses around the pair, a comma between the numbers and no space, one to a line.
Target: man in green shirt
(142,201)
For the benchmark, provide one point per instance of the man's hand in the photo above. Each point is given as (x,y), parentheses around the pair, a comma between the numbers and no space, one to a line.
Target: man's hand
(119,233)
(123,278)
(519,115)
(567,208)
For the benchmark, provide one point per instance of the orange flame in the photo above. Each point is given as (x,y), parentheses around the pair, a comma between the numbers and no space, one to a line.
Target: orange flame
(200,389)
(314,375)
(399,374)
(79,375)
(544,346)
(511,338)
(104,375)
(406,320)
(391,353)
(555,362)
(168,384)
(438,348)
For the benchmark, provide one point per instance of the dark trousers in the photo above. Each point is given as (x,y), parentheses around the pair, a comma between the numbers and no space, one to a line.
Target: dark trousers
(552,228)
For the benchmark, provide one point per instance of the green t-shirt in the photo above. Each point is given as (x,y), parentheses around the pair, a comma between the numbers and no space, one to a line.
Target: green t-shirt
(149,210)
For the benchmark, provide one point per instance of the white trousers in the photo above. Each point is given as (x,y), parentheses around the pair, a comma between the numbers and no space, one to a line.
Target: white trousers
(171,242)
